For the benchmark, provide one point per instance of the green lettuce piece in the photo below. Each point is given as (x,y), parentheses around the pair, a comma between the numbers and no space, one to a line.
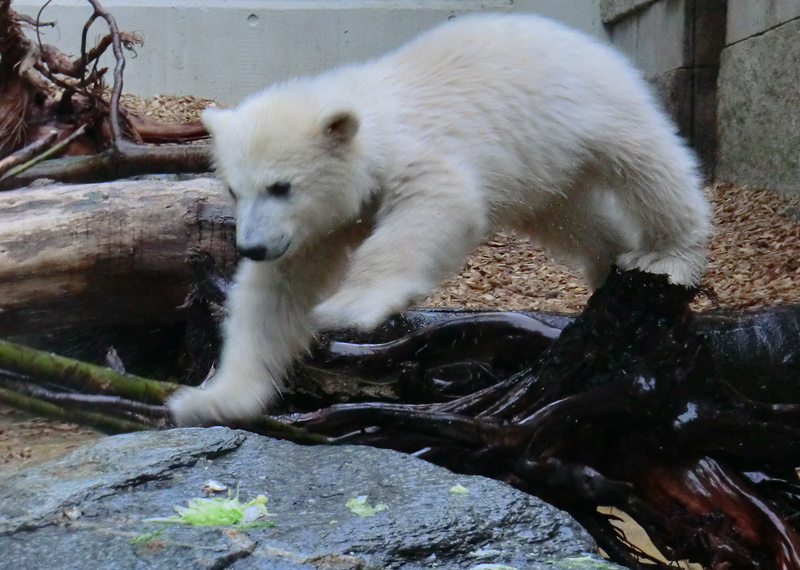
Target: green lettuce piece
(218,511)
(360,507)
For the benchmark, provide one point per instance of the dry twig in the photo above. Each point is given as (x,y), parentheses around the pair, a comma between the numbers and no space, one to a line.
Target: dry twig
(25,153)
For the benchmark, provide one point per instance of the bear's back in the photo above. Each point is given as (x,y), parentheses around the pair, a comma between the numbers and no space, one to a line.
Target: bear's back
(504,51)
(519,96)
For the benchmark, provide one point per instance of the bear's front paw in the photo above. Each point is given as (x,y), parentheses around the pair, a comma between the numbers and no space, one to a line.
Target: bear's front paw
(205,407)
(362,314)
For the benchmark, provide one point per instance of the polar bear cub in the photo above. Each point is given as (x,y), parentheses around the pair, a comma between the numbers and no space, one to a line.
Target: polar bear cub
(359,190)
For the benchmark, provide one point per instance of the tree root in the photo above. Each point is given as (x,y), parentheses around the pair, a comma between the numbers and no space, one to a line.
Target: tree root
(623,408)
(44,90)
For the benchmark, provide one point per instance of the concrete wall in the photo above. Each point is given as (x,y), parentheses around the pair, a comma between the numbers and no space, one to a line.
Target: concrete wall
(752,17)
(581,14)
(727,70)
(227,49)
(615,10)
(759,95)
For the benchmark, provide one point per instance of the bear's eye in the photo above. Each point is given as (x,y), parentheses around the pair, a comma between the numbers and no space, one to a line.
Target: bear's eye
(230,191)
(279,189)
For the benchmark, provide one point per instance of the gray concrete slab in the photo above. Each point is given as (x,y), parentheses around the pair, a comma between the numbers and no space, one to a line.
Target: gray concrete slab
(676,44)
(689,96)
(750,17)
(581,14)
(624,36)
(759,110)
(614,10)
(704,129)
(665,39)
(657,38)
(674,89)
(709,31)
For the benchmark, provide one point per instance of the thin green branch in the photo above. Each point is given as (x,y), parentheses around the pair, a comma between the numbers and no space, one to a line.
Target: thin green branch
(82,376)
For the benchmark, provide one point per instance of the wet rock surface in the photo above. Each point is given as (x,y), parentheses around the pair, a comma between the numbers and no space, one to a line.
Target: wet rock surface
(83,509)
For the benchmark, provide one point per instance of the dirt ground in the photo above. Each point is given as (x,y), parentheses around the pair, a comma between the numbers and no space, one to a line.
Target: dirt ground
(26,439)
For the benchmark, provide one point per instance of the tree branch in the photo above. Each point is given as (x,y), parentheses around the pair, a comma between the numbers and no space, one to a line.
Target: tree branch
(105,423)
(81,376)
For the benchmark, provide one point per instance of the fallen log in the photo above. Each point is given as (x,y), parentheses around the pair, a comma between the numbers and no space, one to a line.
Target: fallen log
(106,253)
(128,161)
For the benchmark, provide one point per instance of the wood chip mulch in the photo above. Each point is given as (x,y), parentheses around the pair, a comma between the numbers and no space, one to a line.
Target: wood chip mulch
(168,108)
(753,261)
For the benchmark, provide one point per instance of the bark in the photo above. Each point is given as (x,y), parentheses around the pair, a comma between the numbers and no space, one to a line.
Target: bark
(106,253)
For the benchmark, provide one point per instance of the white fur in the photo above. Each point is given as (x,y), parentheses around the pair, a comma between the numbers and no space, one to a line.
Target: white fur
(407,162)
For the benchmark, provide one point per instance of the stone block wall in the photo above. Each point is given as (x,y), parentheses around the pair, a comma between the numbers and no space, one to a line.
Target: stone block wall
(677,45)
(729,73)
(759,95)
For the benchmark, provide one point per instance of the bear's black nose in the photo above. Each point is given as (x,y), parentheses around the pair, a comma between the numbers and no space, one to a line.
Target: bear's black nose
(256,252)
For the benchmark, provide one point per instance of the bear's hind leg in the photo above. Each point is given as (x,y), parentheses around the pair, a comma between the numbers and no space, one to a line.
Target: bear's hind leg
(655,177)
(586,230)
(671,210)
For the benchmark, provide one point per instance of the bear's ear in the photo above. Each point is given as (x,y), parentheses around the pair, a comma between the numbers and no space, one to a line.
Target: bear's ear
(214,119)
(340,126)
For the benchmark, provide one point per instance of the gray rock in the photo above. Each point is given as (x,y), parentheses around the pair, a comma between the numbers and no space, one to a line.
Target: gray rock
(82,510)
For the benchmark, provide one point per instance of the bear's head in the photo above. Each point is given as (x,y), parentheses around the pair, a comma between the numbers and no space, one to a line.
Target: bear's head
(295,168)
